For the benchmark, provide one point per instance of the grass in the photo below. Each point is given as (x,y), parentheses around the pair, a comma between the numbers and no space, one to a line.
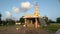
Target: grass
(53,27)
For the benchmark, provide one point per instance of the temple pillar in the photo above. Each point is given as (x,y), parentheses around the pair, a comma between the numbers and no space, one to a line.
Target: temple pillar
(31,21)
(25,23)
(36,23)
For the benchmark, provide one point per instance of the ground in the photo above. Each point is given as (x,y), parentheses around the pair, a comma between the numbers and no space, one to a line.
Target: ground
(23,30)
(14,29)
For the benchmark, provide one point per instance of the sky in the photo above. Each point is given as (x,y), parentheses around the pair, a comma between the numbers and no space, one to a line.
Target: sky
(17,8)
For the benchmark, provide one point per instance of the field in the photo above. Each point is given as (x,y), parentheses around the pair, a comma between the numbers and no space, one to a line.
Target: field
(53,27)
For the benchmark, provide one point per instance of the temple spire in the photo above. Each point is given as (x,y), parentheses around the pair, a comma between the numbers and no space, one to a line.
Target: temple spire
(36,12)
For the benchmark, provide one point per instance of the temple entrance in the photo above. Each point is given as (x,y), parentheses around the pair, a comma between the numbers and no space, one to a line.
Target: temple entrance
(31,22)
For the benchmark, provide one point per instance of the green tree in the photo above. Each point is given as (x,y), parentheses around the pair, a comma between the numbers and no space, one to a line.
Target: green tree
(51,21)
(22,20)
(0,19)
(46,20)
(0,15)
(4,22)
(58,20)
(10,22)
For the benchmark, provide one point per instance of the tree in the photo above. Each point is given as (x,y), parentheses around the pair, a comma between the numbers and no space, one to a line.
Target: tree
(22,20)
(58,20)
(10,22)
(4,22)
(51,21)
(0,15)
(0,19)
(46,20)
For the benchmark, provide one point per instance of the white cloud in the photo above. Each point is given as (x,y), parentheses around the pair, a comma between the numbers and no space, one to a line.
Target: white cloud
(8,14)
(15,9)
(26,5)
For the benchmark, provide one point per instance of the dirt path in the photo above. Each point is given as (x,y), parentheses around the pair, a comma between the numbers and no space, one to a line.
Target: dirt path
(12,30)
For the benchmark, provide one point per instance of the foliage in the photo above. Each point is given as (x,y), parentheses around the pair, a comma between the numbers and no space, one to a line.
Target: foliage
(0,19)
(22,20)
(7,21)
(0,15)
(53,27)
(10,22)
(51,21)
(58,20)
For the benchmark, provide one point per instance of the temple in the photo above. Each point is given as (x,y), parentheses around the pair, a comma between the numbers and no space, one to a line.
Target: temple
(33,18)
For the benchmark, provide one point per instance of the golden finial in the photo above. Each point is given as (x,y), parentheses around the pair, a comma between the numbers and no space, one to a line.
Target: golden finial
(36,13)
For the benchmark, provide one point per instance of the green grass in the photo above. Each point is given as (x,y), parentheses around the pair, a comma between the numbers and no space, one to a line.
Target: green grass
(53,27)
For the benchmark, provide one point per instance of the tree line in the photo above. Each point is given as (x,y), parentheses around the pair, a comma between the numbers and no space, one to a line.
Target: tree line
(12,22)
(6,22)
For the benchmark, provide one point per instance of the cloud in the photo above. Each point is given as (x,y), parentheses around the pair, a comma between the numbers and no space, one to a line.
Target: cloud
(15,9)
(26,5)
(8,14)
